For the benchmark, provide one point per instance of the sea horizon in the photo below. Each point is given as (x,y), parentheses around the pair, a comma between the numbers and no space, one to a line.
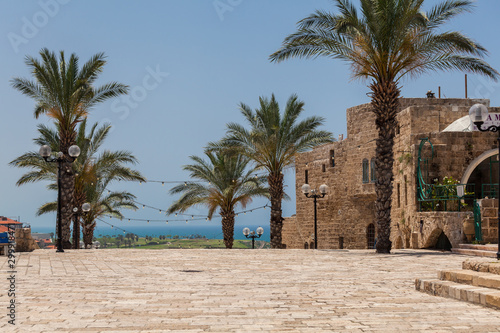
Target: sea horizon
(209,232)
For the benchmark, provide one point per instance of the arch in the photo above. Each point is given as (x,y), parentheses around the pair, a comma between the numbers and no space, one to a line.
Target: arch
(370,236)
(311,246)
(306,246)
(474,164)
(399,243)
(437,240)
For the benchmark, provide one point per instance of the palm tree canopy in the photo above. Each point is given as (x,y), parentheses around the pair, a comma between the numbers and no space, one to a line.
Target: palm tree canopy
(388,39)
(224,181)
(273,139)
(94,171)
(64,91)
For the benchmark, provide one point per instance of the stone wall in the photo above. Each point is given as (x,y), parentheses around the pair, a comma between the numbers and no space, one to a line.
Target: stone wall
(489,220)
(348,209)
(24,241)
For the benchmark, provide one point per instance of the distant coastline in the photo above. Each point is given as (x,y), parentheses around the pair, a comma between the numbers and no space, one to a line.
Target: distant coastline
(210,232)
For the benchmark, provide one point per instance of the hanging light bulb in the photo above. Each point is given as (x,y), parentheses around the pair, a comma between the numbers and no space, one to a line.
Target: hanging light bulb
(148,221)
(140,183)
(143,206)
(175,214)
(245,213)
(185,184)
(186,221)
(192,217)
(129,220)
(166,222)
(162,183)
(111,226)
(160,211)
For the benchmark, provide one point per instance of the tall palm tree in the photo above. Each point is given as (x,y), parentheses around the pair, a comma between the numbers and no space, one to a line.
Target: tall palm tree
(387,41)
(66,93)
(224,182)
(89,168)
(272,142)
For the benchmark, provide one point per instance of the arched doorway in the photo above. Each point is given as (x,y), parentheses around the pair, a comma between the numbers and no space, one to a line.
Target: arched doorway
(483,173)
(399,243)
(306,246)
(370,236)
(438,240)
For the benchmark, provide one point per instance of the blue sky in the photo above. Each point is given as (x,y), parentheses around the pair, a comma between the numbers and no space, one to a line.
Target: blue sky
(189,64)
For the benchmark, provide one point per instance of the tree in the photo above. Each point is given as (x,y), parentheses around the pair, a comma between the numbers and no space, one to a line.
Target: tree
(92,165)
(223,182)
(272,142)
(66,94)
(386,41)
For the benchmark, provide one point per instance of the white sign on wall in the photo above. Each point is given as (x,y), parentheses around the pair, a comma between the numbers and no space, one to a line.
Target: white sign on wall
(493,120)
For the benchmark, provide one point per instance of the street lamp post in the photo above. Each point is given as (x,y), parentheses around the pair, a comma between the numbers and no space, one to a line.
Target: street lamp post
(76,224)
(252,235)
(73,152)
(478,114)
(323,189)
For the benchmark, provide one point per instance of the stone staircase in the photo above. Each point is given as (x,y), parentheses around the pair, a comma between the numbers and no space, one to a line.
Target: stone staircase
(478,282)
(488,250)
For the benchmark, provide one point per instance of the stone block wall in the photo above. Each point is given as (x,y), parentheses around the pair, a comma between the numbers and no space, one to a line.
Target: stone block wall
(348,209)
(489,220)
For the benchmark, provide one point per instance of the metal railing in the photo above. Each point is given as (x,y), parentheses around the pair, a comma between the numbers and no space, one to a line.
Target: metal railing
(451,197)
(489,190)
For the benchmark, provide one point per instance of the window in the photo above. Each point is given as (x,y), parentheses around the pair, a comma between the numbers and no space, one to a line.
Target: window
(324,168)
(406,192)
(332,158)
(306,176)
(370,236)
(399,195)
(373,178)
(366,176)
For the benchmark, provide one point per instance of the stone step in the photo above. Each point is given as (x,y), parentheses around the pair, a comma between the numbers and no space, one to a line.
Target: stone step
(485,247)
(462,292)
(477,253)
(473,278)
(483,265)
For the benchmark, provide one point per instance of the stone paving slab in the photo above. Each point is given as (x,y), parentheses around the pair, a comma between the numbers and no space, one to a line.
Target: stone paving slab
(121,290)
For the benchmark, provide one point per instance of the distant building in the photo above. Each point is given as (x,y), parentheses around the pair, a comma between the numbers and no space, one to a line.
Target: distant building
(6,222)
(433,141)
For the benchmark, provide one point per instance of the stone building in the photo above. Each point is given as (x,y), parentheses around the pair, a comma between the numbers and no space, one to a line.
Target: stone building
(432,142)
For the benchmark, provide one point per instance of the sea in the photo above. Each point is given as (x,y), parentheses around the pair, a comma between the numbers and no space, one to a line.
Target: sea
(210,232)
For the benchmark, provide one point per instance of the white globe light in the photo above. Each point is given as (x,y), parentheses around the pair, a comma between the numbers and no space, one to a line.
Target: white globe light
(74,151)
(45,151)
(246,231)
(478,113)
(323,189)
(260,231)
(306,188)
(86,207)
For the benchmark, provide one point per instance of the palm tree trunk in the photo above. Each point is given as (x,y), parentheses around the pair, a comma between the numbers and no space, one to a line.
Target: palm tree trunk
(67,188)
(76,231)
(228,228)
(88,233)
(385,103)
(275,181)
(79,199)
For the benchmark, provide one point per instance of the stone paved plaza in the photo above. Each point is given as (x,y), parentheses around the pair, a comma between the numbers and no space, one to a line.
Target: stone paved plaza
(235,291)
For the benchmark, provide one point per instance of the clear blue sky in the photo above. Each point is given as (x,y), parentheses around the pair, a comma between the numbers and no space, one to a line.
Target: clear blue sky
(211,55)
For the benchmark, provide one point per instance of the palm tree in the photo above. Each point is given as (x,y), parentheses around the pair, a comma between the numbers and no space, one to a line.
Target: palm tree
(272,142)
(88,168)
(386,41)
(224,182)
(66,93)
(103,203)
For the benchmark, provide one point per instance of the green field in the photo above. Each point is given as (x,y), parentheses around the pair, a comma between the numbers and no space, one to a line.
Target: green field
(169,243)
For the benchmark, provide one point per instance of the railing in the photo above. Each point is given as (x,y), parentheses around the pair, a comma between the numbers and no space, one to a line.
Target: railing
(489,190)
(451,197)
(477,222)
